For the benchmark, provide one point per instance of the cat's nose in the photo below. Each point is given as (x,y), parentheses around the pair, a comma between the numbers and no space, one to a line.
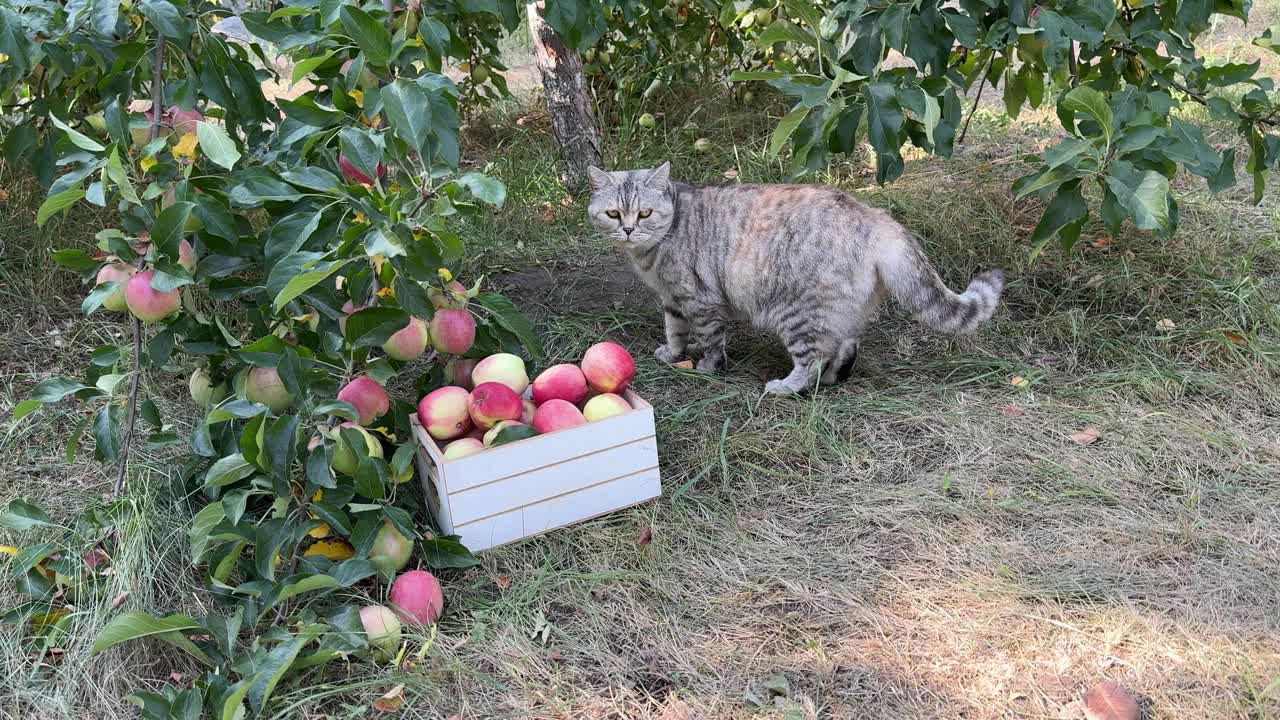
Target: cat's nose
(628,230)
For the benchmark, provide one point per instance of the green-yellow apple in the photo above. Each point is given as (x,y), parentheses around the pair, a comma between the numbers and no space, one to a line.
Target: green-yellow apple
(382,628)
(505,368)
(263,385)
(344,460)
(462,447)
(203,390)
(115,272)
(443,412)
(605,405)
(391,549)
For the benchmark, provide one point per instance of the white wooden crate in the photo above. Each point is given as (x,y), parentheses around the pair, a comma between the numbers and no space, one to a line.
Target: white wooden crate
(525,488)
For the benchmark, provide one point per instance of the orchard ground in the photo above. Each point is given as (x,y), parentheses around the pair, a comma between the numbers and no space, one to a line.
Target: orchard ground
(926,540)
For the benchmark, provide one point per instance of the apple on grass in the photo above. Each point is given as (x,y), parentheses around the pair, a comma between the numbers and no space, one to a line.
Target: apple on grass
(367,396)
(608,367)
(505,368)
(145,302)
(391,549)
(443,412)
(554,415)
(382,628)
(564,382)
(605,405)
(416,597)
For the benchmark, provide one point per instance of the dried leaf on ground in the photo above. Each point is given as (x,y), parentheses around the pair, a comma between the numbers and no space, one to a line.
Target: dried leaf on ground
(1087,436)
(683,364)
(391,701)
(119,600)
(1235,337)
(1019,382)
(1108,700)
(646,536)
(502,581)
(1165,324)
(1012,411)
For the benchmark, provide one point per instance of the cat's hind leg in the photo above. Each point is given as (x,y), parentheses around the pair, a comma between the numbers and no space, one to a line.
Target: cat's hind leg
(812,348)
(840,370)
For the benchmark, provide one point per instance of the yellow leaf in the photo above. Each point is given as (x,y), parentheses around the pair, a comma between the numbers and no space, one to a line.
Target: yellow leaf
(40,621)
(318,495)
(4,58)
(336,550)
(390,702)
(358,96)
(1165,324)
(1018,381)
(386,292)
(359,219)
(8,550)
(147,163)
(444,274)
(1087,436)
(321,531)
(186,147)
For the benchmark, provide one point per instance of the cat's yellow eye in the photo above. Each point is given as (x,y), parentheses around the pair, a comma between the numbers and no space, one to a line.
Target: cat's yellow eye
(645,213)
(613,214)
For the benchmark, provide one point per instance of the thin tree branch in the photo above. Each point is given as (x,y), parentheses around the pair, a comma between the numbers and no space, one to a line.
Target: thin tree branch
(1269,119)
(985,76)
(157,105)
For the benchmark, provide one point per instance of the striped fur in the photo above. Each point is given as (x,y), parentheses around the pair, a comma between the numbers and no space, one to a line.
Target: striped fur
(809,263)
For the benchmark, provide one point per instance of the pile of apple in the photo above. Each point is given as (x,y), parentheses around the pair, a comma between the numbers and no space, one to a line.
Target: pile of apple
(492,401)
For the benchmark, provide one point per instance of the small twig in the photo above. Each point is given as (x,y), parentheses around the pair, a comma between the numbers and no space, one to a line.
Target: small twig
(1269,120)
(982,84)
(157,102)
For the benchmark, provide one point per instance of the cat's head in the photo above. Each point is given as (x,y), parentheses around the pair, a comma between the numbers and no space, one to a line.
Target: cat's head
(633,208)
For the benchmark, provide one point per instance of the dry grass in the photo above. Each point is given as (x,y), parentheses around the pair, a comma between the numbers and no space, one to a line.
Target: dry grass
(924,541)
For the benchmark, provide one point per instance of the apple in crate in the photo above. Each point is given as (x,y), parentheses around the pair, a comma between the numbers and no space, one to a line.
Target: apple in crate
(505,368)
(367,396)
(608,367)
(491,403)
(554,415)
(443,412)
(383,630)
(463,447)
(603,406)
(564,382)
(416,597)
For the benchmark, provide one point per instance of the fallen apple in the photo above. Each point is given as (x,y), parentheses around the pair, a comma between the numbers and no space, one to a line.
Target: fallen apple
(416,597)
(382,628)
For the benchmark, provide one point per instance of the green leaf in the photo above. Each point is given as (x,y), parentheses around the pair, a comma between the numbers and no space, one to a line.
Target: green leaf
(512,433)
(217,145)
(786,128)
(1147,200)
(235,410)
(75,260)
(333,516)
(1229,74)
(306,110)
(1044,179)
(135,624)
(1137,137)
(166,18)
(233,701)
(752,75)
(57,203)
(884,125)
(55,389)
(360,148)
(1092,103)
(22,515)
(447,552)
(484,188)
(115,171)
(384,242)
(169,227)
(372,326)
(80,140)
(1067,208)
(228,470)
(304,67)
(963,27)
(784,31)
(372,477)
(370,34)
(315,273)
(201,525)
(295,585)
(506,315)
(106,433)
(409,111)
(25,408)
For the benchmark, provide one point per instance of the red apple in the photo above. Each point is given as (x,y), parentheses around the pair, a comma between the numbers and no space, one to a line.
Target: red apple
(491,402)
(416,597)
(605,405)
(382,628)
(352,175)
(462,447)
(368,396)
(563,381)
(453,331)
(145,302)
(348,308)
(115,272)
(187,255)
(184,121)
(554,415)
(505,368)
(443,412)
(408,342)
(608,366)
(458,371)
(263,385)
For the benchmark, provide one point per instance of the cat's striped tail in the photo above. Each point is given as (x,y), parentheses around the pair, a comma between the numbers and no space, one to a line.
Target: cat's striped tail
(914,283)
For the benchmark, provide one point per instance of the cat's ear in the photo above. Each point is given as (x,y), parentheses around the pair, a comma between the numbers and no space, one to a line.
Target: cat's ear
(660,177)
(599,178)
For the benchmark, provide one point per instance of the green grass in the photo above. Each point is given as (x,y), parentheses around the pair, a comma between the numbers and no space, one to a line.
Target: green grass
(924,540)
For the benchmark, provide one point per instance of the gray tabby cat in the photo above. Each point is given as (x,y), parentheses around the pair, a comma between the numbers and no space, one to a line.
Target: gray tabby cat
(807,262)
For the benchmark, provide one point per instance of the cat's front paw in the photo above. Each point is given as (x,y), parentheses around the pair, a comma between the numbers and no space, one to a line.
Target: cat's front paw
(779,387)
(710,364)
(665,354)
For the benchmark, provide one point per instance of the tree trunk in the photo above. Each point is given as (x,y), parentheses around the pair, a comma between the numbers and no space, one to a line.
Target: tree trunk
(567,102)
